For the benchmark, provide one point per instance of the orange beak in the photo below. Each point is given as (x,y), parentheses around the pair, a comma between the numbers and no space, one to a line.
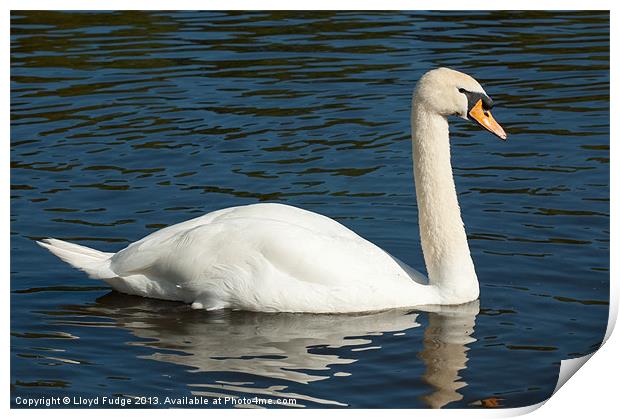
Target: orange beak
(486,120)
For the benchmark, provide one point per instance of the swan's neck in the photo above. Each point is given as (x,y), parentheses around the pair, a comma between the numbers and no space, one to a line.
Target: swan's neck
(444,243)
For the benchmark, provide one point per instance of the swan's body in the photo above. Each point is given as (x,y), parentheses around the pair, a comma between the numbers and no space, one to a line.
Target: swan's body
(273,257)
(261,257)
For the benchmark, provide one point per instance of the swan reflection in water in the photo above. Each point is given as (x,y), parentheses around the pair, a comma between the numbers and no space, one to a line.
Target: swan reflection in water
(281,345)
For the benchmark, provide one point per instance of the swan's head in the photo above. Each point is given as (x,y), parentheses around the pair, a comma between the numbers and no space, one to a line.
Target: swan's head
(449,92)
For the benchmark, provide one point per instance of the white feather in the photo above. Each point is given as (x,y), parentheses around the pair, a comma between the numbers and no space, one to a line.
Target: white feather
(273,257)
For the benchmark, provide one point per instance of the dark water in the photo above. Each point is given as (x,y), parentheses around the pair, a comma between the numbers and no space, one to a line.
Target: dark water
(123,123)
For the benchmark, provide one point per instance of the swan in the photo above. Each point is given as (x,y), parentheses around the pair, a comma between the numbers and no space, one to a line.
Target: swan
(271,257)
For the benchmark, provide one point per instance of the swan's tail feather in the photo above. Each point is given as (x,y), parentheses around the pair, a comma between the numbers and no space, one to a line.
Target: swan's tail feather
(95,263)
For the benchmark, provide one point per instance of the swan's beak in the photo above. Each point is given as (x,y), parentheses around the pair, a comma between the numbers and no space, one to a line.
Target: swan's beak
(484,118)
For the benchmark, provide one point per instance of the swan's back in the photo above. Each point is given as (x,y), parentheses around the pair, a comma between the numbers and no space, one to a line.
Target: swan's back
(261,216)
(266,257)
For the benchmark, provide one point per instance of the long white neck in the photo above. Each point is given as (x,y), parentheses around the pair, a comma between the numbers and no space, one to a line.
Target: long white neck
(444,242)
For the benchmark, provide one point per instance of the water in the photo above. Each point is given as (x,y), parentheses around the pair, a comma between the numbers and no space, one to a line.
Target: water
(126,122)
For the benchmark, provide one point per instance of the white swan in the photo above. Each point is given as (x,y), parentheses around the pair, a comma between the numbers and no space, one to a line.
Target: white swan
(273,257)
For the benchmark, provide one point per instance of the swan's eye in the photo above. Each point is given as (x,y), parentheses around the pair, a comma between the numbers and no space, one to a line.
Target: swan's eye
(462,90)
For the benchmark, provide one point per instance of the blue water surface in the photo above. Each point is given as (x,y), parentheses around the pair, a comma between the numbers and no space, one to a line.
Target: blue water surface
(125,122)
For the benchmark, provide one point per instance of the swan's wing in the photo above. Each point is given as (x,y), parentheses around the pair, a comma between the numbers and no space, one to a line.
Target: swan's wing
(264,257)
(415,275)
(306,245)
(140,255)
